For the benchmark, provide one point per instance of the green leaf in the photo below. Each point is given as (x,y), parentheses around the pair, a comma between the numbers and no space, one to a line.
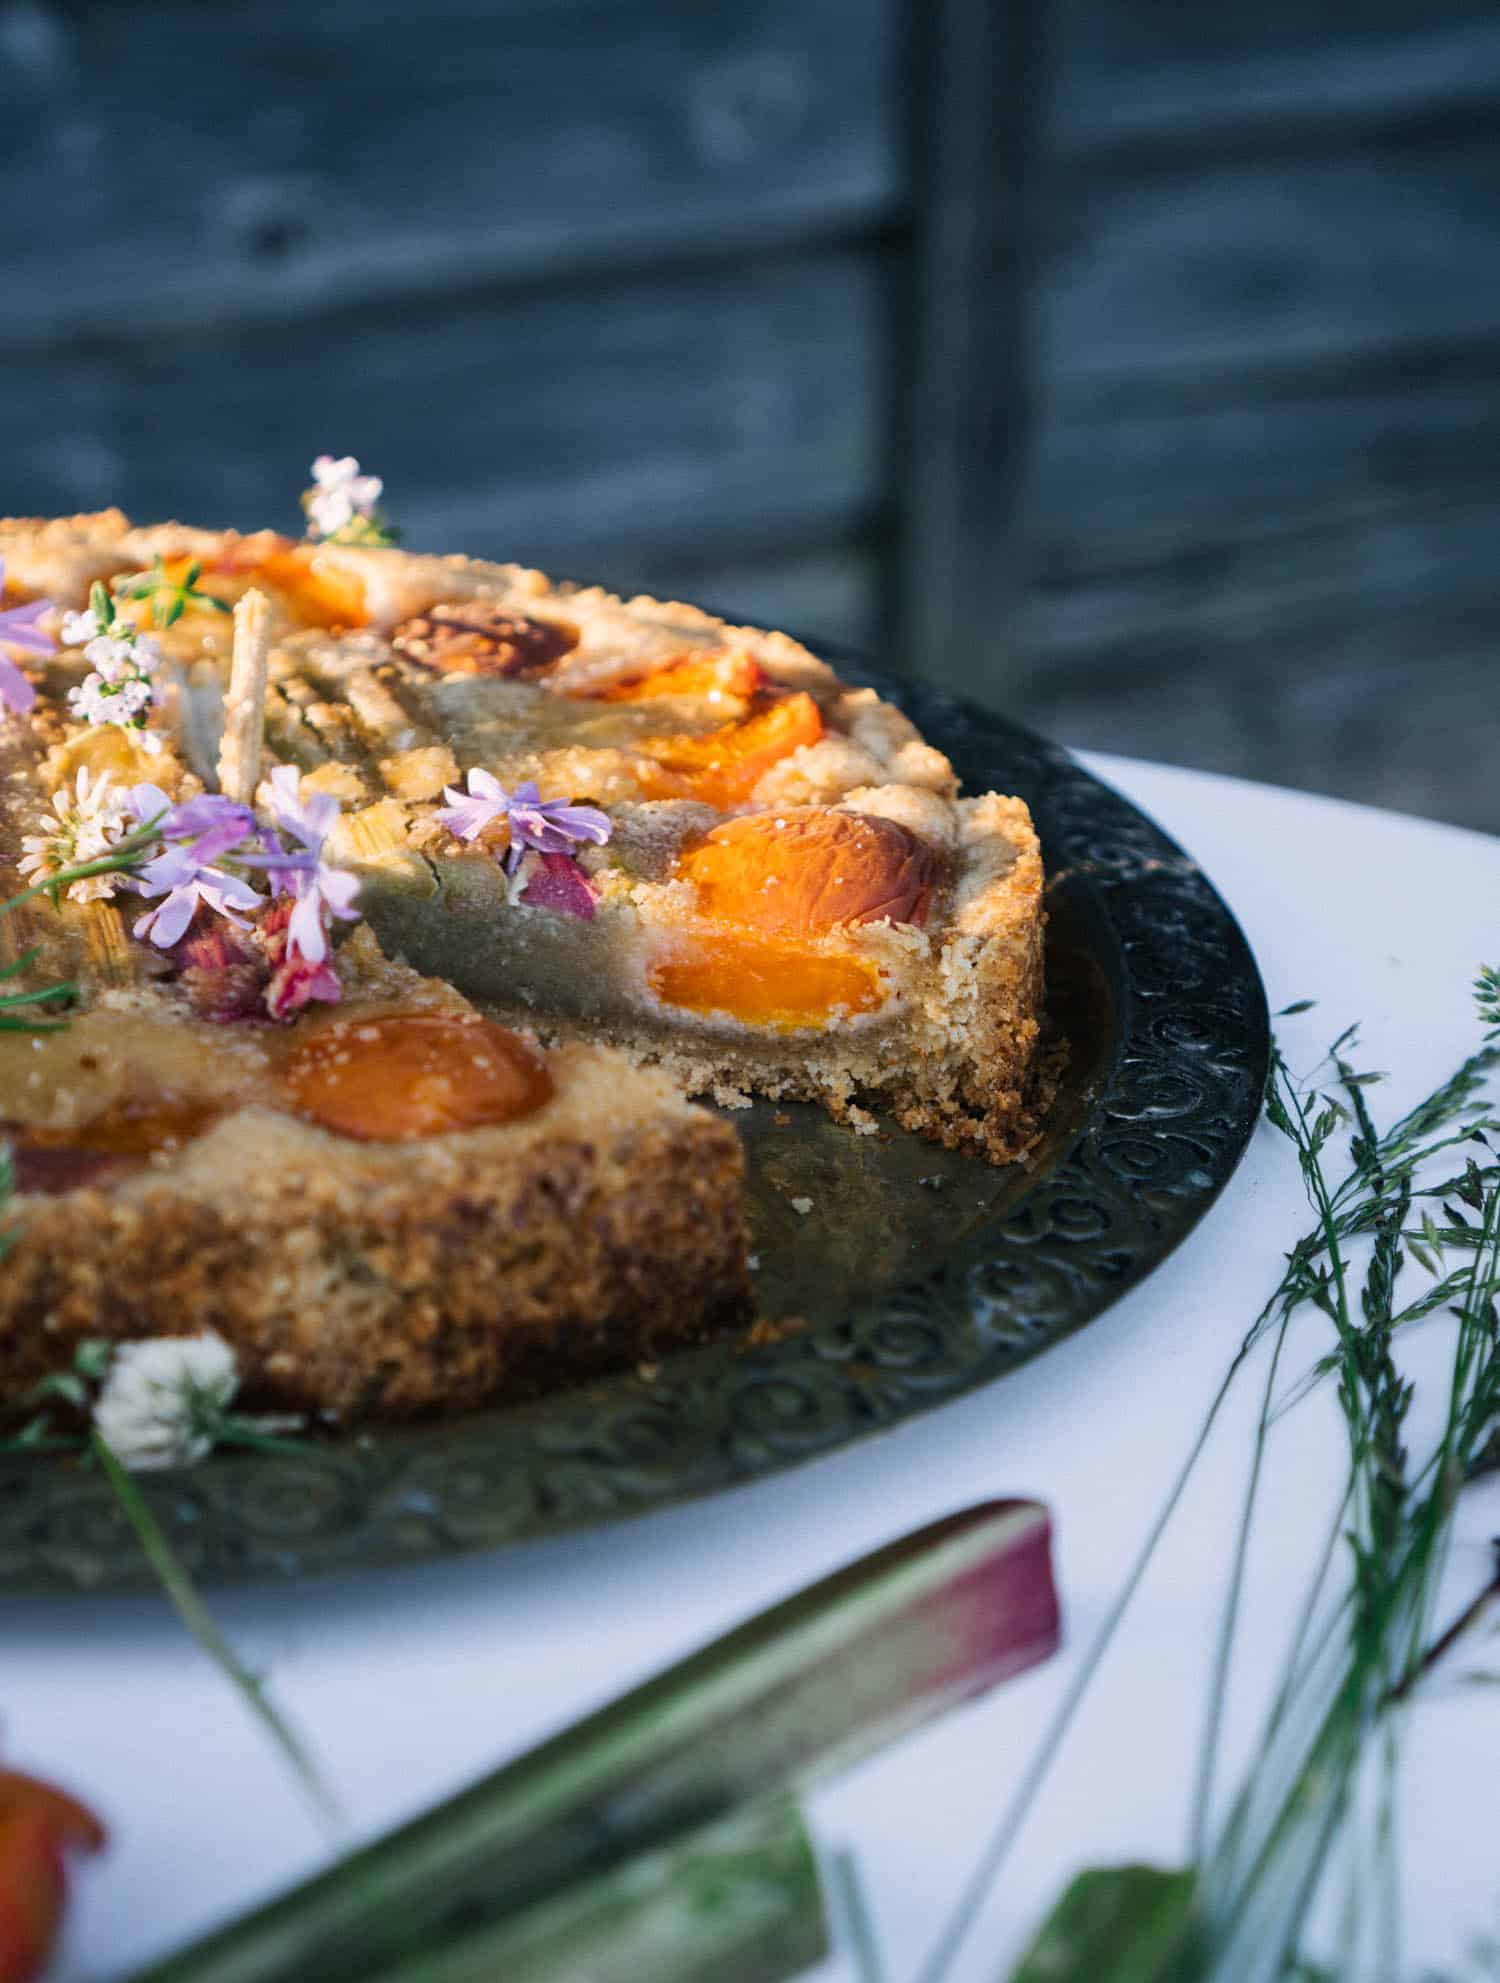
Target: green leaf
(92,1359)
(924,1624)
(1114,1924)
(738,1902)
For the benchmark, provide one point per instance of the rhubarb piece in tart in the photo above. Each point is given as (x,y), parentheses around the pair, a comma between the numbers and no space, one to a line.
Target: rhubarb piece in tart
(617,819)
(389,1206)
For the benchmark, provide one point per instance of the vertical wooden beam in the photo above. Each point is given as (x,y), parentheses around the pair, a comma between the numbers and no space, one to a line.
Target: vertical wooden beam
(959,477)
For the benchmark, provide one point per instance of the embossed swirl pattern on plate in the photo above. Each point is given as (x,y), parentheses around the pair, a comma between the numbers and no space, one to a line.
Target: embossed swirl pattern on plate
(1175,1096)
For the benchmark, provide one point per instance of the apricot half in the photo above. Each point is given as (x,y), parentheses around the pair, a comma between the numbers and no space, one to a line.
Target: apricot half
(315,591)
(702,672)
(803,872)
(394,1078)
(60,1160)
(724,767)
(761,982)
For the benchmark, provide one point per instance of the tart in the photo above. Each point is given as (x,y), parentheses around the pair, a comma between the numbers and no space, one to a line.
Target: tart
(681,852)
(794,899)
(393,1206)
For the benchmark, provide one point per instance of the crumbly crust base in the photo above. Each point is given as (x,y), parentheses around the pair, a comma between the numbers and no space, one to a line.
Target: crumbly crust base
(372,1279)
(400,1297)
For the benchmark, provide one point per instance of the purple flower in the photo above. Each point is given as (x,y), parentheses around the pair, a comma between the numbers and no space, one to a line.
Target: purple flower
(307,877)
(547,826)
(324,888)
(197,832)
(185,878)
(308,820)
(20,627)
(212,824)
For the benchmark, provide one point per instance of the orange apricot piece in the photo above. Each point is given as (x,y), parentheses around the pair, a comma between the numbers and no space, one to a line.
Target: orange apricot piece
(805,871)
(319,591)
(701,672)
(316,591)
(724,767)
(394,1078)
(53,1160)
(760,982)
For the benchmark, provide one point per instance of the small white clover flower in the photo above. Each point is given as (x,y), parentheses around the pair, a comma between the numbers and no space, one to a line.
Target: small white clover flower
(113,659)
(120,690)
(131,698)
(339,494)
(85,823)
(342,507)
(164,1401)
(78,629)
(91,701)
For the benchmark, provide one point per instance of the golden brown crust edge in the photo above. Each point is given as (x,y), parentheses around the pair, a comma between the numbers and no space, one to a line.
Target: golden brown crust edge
(590,1261)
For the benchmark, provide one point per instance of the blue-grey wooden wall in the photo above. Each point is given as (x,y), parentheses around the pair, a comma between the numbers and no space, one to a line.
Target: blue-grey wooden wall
(1134,366)
(1262,510)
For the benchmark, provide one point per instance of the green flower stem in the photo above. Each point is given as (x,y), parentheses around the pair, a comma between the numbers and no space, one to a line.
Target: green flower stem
(1466,1620)
(853,1906)
(195,1616)
(42,997)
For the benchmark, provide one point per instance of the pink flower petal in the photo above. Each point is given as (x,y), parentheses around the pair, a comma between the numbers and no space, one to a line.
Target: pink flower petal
(561,885)
(305,930)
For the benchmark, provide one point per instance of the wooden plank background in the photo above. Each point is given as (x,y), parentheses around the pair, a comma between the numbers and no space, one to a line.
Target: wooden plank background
(1137,369)
(1262,490)
(200,164)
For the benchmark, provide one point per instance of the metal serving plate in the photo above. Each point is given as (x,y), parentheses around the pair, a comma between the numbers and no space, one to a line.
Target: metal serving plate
(921,1274)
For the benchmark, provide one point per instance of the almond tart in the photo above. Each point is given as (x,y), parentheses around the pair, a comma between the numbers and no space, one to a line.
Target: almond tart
(794,900)
(393,1205)
(676,854)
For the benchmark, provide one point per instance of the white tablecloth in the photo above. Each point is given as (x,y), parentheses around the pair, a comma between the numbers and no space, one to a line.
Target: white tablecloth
(412,1682)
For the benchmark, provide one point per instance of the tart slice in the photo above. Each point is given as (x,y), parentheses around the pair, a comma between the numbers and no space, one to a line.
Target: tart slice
(621,819)
(390,1206)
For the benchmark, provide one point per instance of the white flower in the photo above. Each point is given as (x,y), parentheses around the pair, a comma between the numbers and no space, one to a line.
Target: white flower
(112,658)
(164,1400)
(84,825)
(79,628)
(120,690)
(89,702)
(339,495)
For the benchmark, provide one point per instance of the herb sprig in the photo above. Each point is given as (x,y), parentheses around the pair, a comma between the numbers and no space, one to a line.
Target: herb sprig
(1424,1195)
(169,597)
